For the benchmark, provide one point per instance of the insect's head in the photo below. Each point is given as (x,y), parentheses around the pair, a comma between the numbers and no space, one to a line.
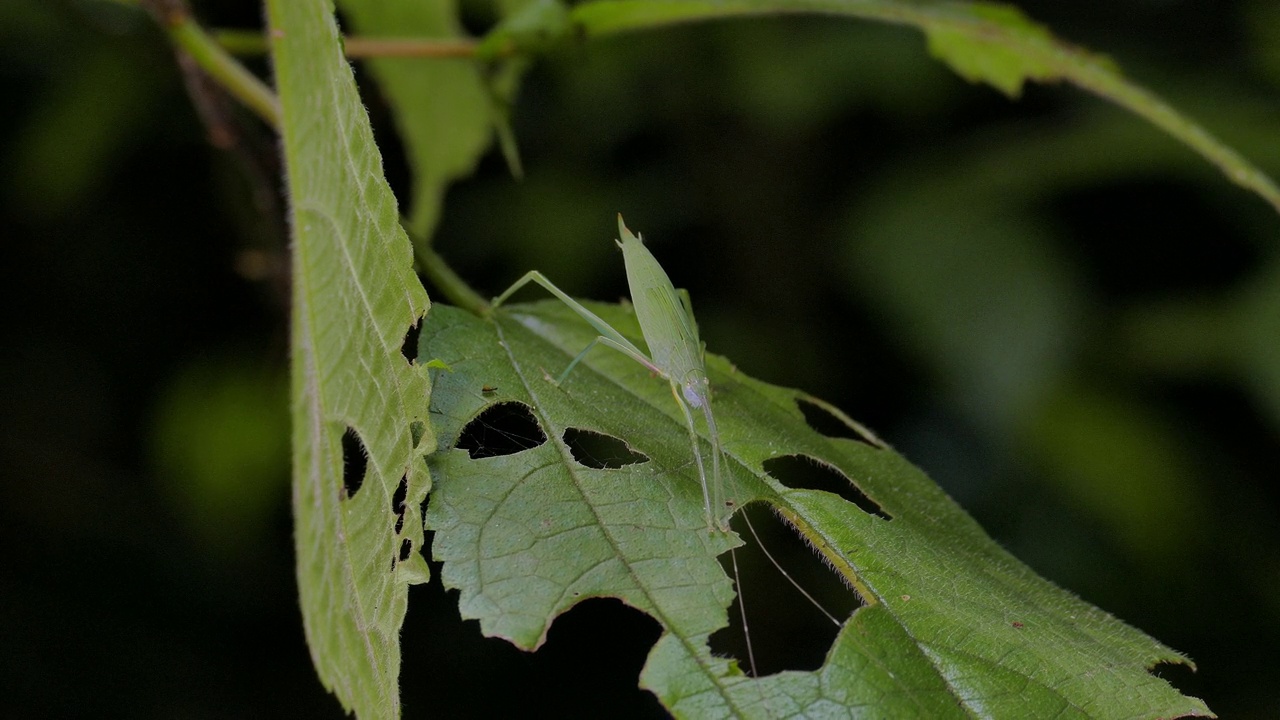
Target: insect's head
(696,388)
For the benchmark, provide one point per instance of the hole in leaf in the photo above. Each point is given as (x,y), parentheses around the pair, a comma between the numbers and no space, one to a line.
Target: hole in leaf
(1178,675)
(824,422)
(355,461)
(397,498)
(600,451)
(603,674)
(586,669)
(787,631)
(410,347)
(397,502)
(417,429)
(803,472)
(502,429)
(406,547)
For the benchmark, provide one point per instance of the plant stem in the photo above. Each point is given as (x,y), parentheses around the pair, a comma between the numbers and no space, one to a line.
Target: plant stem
(248,42)
(357,47)
(1044,58)
(449,283)
(185,33)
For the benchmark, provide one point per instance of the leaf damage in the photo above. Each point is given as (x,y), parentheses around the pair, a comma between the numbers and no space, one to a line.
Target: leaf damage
(527,535)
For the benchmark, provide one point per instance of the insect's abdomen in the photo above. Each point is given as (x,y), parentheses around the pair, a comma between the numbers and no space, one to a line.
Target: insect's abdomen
(673,345)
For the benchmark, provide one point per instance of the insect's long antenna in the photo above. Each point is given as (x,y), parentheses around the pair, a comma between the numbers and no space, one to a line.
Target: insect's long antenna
(746,630)
(777,566)
(742,610)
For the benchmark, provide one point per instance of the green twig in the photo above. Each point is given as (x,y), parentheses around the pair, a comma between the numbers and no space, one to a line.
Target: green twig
(986,27)
(1043,58)
(241,42)
(358,47)
(1156,111)
(449,283)
(216,62)
(248,42)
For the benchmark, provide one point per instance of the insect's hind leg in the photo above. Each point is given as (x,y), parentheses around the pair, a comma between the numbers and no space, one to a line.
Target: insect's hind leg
(627,349)
(577,359)
(608,335)
(531,276)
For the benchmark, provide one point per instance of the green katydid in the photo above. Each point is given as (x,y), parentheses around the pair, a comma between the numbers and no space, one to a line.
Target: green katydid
(676,353)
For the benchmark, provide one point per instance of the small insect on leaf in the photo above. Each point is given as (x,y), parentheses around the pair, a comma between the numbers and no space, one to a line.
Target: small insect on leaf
(675,353)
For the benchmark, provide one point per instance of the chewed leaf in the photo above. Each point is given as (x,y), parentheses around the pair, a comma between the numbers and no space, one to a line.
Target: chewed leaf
(359,415)
(950,624)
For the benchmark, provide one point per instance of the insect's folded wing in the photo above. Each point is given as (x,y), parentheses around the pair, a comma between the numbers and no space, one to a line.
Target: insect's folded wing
(686,303)
(669,331)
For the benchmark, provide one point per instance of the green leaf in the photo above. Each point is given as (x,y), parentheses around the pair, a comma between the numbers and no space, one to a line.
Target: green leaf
(354,298)
(531,26)
(1000,61)
(441,106)
(527,27)
(982,42)
(220,442)
(952,625)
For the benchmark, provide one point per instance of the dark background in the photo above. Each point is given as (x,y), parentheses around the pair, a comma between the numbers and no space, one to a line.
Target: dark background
(1070,321)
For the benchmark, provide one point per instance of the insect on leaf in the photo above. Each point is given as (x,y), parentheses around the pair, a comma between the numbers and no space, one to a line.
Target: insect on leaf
(951,624)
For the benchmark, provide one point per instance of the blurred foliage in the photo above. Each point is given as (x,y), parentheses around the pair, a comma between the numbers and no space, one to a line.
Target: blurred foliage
(221,441)
(1064,316)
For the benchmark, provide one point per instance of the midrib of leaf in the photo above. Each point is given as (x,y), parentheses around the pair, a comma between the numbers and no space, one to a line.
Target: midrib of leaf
(936,639)
(354,297)
(321,479)
(655,607)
